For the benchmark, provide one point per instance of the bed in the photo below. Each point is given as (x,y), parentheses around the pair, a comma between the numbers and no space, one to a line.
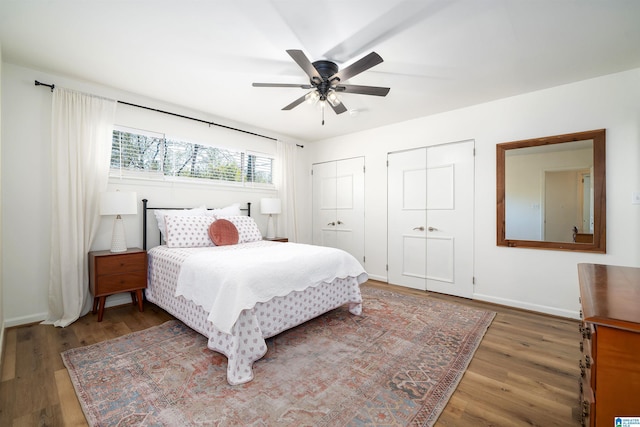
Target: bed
(237,295)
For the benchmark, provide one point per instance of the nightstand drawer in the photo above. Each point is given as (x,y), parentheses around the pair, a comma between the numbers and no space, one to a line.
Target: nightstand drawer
(121,263)
(116,283)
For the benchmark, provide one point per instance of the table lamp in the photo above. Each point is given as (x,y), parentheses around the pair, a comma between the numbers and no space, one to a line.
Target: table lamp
(270,206)
(118,203)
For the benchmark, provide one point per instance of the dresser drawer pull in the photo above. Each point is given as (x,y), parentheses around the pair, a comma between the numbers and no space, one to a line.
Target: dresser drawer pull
(581,347)
(587,361)
(585,409)
(582,369)
(584,414)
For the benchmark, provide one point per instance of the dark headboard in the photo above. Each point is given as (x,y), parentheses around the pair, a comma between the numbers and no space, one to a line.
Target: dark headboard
(146,208)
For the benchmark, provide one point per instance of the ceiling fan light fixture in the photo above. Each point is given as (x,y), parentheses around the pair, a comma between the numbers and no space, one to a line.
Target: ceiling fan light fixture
(312,97)
(333,98)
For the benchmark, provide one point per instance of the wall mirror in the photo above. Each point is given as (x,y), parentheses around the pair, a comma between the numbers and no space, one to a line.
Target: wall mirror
(551,192)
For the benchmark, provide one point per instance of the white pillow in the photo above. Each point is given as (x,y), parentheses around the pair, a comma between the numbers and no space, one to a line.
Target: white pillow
(231,210)
(160,214)
(188,231)
(248,230)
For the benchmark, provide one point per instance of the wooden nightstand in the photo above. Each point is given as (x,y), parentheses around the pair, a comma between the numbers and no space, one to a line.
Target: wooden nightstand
(276,239)
(115,272)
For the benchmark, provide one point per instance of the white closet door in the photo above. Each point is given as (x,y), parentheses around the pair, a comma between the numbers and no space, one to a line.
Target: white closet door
(430,214)
(338,205)
(407,218)
(450,201)
(324,204)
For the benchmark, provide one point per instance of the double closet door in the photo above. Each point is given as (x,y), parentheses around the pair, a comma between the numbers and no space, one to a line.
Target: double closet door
(338,205)
(430,199)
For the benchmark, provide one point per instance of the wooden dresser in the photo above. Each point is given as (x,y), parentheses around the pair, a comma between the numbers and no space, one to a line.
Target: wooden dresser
(610,364)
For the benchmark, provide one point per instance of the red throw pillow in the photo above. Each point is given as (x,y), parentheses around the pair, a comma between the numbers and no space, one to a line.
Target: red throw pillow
(223,232)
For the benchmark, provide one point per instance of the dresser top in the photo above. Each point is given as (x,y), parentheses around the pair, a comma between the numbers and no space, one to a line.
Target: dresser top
(610,295)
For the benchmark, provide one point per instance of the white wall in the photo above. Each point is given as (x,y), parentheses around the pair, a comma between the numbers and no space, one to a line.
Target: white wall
(539,280)
(2,325)
(26,169)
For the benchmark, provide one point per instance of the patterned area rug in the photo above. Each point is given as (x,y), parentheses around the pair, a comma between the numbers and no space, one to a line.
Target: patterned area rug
(396,365)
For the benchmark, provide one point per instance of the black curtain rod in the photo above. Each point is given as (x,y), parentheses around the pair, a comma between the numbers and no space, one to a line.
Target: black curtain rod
(44,84)
(52,86)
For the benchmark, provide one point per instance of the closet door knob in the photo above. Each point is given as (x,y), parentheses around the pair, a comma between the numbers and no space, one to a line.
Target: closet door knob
(421,228)
(432,229)
(332,223)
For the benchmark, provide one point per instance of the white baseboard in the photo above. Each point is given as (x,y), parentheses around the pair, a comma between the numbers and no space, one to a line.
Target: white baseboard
(25,320)
(555,311)
(118,299)
(113,300)
(378,278)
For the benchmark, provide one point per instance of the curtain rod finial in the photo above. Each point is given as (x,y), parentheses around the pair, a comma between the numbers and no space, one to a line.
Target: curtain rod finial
(52,86)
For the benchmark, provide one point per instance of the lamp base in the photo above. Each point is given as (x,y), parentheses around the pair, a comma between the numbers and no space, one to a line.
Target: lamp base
(271,230)
(118,241)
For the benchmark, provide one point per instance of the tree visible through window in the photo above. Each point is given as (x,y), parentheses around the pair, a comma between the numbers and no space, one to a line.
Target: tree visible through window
(142,153)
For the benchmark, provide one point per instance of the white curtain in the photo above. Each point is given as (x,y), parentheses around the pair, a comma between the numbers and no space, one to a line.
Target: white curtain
(286,185)
(81,128)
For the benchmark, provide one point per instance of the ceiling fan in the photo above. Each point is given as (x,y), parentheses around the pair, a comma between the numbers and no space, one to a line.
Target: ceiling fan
(325,81)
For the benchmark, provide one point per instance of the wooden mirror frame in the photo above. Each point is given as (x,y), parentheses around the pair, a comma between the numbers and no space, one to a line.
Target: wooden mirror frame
(599,187)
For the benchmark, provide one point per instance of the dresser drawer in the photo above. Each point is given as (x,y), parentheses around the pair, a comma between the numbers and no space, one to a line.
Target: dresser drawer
(122,282)
(120,263)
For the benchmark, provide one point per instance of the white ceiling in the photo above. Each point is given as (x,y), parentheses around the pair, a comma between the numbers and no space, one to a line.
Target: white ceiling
(438,55)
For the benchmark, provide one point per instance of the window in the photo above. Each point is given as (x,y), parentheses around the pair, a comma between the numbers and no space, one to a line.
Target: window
(151,155)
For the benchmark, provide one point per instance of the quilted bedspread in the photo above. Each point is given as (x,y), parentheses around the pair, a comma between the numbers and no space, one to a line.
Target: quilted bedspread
(225,281)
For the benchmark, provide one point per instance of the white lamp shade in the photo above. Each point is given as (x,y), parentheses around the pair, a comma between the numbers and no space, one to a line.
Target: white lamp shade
(270,206)
(118,203)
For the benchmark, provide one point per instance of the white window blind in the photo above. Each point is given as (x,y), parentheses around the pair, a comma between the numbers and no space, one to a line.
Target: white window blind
(135,152)
(147,154)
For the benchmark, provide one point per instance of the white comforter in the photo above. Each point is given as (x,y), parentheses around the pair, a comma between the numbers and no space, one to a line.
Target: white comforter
(224,281)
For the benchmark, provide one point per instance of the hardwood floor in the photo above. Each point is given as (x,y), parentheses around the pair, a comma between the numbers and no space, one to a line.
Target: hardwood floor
(525,372)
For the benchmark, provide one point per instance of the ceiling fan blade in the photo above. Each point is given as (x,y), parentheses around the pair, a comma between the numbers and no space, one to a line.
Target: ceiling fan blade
(304,63)
(358,67)
(401,17)
(363,90)
(282,85)
(295,103)
(339,109)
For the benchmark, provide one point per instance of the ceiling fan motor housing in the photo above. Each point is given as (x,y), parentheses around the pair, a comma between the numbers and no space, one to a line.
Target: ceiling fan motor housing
(326,69)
